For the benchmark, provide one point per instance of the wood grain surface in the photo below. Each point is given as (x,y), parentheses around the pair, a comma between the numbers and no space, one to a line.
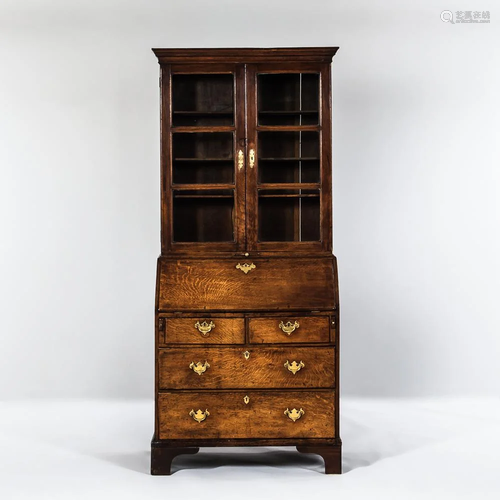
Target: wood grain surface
(274,284)
(310,329)
(264,369)
(183,331)
(197,279)
(262,417)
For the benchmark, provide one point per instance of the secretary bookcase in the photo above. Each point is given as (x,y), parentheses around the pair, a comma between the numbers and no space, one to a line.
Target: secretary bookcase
(247,308)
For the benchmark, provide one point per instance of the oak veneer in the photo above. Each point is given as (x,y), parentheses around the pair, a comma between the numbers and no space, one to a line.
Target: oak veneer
(262,417)
(229,369)
(185,331)
(309,329)
(216,284)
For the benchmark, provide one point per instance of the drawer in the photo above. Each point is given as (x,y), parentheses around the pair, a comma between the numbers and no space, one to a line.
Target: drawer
(251,414)
(200,330)
(282,329)
(267,284)
(238,367)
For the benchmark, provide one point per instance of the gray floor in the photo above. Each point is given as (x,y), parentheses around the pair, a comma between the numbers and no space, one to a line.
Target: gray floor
(392,448)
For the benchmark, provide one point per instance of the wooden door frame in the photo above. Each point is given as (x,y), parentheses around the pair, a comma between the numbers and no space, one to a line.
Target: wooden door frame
(324,128)
(167,243)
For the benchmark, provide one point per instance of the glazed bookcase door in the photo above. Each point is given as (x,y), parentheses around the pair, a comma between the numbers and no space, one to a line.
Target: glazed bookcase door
(203,156)
(289,180)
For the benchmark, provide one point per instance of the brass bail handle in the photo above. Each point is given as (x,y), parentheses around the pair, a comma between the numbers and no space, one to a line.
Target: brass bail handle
(246,268)
(294,367)
(199,415)
(204,327)
(294,414)
(289,327)
(199,367)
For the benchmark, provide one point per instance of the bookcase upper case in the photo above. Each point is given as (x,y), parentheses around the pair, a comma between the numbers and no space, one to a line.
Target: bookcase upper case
(246,150)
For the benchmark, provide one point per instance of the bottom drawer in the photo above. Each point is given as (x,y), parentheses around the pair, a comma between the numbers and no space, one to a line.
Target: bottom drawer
(246,414)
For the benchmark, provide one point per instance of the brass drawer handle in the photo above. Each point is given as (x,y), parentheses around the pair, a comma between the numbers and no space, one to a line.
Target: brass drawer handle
(246,268)
(251,158)
(289,327)
(204,328)
(293,367)
(199,415)
(294,415)
(199,368)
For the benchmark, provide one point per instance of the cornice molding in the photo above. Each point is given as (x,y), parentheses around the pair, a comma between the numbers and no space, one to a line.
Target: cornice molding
(246,55)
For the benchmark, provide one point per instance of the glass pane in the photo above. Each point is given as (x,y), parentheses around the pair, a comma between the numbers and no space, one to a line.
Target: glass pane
(201,158)
(289,215)
(288,99)
(288,157)
(202,100)
(288,171)
(203,215)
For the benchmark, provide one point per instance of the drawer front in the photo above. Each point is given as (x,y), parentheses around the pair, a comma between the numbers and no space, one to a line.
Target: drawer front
(289,329)
(200,330)
(252,414)
(259,368)
(194,285)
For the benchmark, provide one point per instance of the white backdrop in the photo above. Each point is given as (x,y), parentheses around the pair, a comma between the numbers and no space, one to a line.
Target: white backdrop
(416,185)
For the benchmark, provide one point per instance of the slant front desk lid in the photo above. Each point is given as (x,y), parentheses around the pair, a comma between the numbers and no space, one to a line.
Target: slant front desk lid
(244,284)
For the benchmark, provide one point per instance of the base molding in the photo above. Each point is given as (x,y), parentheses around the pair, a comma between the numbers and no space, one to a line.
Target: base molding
(163,453)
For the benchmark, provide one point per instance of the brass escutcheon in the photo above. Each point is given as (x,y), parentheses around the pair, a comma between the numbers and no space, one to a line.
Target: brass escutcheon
(241,159)
(251,158)
(294,415)
(246,399)
(199,368)
(199,415)
(289,327)
(246,268)
(204,328)
(246,354)
(293,367)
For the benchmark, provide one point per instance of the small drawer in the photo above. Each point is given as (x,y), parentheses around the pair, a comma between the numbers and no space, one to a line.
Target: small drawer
(200,330)
(246,367)
(250,414)
(289,329)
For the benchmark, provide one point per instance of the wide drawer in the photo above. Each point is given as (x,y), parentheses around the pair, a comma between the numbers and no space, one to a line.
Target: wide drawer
(267,284)
(252,414)
(200,330)
(282,329)
(259,368)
